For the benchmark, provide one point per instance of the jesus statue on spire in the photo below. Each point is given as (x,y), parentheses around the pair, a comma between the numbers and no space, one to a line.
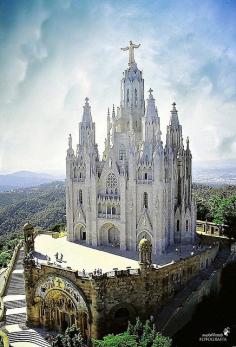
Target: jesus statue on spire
(131,48)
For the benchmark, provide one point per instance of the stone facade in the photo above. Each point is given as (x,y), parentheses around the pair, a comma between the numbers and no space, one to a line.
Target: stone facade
(140,187)
(57,297)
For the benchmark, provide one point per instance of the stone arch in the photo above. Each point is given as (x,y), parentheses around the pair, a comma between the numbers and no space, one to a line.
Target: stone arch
(113,210)
(109,235)
(59,303)
(144,233)
(120,315)
(80,232)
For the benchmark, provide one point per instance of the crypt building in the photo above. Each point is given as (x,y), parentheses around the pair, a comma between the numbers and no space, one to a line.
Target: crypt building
(140,187)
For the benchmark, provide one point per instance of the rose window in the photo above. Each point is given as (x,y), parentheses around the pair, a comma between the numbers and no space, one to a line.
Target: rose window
(111,181)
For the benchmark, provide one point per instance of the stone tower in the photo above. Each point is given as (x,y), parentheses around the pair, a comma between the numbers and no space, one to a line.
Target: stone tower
(145,253)
(28,230)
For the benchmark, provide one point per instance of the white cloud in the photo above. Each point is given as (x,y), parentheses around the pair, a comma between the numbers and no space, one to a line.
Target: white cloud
(60,52)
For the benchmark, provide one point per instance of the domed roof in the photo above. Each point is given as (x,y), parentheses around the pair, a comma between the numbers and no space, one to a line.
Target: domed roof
(28,226)
(144,243)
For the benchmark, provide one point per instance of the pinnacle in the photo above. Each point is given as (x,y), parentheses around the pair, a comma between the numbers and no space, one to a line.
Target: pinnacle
(150,93)
(174,108)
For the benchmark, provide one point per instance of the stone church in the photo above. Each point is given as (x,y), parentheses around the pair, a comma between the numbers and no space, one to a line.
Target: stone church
(140,186)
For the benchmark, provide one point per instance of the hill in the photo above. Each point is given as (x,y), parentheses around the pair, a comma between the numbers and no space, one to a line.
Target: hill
(43,206)
(23,179)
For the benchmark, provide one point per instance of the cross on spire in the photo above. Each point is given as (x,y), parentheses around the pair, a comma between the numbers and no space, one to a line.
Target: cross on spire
(150,92)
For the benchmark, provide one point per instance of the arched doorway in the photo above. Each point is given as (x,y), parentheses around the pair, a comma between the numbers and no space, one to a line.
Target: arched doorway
(121,319)
(59,310)
(109,235)
(80,233)
(60,304)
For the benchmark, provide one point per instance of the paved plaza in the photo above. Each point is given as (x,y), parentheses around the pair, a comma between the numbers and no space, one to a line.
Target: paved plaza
(79,256)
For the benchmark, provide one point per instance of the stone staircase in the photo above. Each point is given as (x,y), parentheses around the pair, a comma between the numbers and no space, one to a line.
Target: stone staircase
(29,336)
(15,305)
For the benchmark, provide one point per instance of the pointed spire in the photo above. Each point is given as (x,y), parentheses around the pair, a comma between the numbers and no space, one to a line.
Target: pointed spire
(87,117)
(113,112)
(70,151)
(187,144)
(150,93)
(70,141)
(174,120)
(151,110)
(108,112)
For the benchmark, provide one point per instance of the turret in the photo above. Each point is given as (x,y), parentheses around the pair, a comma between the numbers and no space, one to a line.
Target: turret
(28,238)
(132,94)
(151,121)
(108,128)
(145,253)
(174,130)
(87,127)
(69,158)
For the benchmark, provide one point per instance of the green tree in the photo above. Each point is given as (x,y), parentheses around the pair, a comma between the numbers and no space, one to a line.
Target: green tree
(137,335)
(58,341)
(230,217)
(72,338)
(5,257)
(121,340)
(161,341)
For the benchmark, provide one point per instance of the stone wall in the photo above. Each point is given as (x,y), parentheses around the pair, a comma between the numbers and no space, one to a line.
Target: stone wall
(139,292)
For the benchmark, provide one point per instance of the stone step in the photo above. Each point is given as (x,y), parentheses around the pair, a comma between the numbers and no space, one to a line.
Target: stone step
(15,318)
(15,304)
(30,336)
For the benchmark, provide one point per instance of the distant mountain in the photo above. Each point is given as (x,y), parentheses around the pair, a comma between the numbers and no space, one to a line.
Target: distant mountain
(215,173)
(24,179)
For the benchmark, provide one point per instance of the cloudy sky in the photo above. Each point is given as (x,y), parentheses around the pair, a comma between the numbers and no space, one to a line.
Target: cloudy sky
(55,53)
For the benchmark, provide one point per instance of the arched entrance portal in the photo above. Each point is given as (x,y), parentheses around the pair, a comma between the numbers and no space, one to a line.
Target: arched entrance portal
(109,235)
(60,304)
(80,233)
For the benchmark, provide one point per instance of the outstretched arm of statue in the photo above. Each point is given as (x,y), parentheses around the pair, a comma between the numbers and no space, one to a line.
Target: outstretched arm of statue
(125,49)
(136,46)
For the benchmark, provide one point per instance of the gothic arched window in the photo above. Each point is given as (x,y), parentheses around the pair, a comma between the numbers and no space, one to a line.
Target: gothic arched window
(145,176)
(177,225)
(186,224)
(122,152)
(127,96)
(108,208)
(145,199)
(135,97)
(80,196)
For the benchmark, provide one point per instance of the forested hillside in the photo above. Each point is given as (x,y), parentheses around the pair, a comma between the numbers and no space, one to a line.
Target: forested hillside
(43,206)
(216,204)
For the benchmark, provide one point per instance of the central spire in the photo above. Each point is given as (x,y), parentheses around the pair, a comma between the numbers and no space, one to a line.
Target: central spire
(131,48)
